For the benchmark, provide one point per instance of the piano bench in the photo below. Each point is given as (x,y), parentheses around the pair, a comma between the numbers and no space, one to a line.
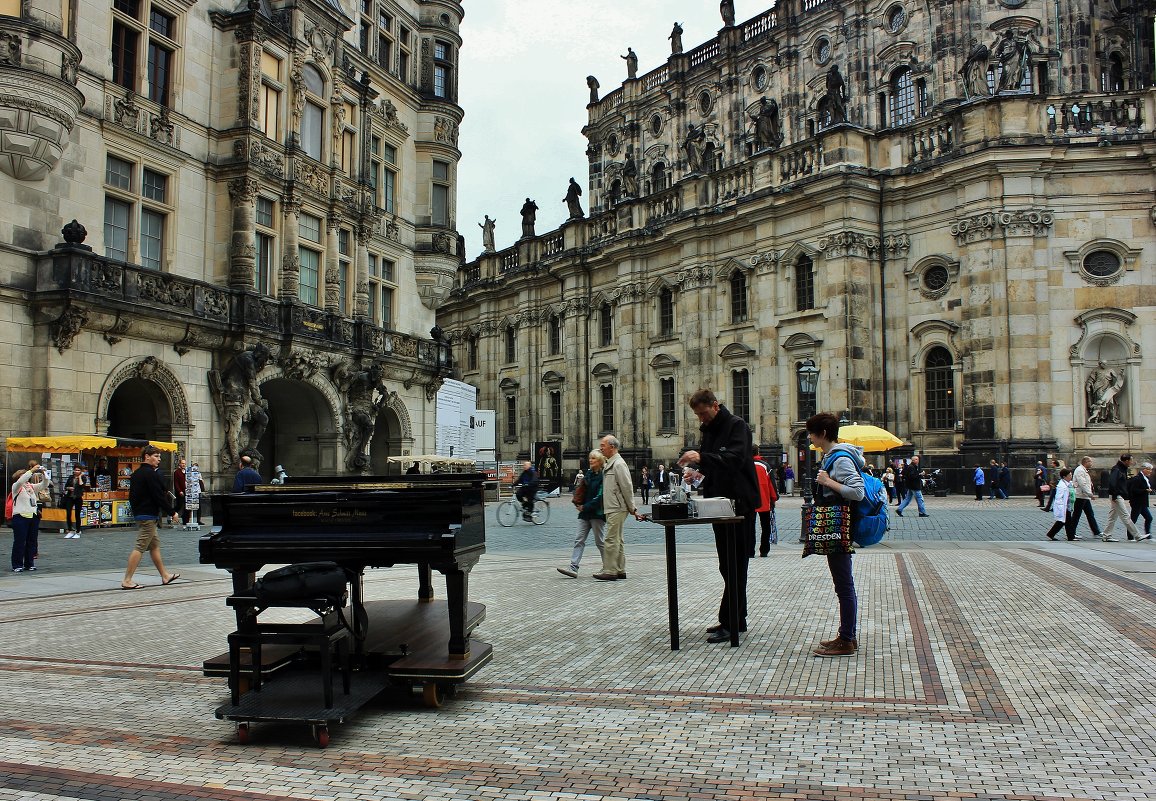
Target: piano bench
(322,634)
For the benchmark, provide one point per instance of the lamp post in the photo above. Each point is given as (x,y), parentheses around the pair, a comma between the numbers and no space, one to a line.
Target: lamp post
(808,377)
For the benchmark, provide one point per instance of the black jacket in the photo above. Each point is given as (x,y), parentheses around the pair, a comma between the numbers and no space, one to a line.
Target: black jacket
(726,460)
(1118,481)
(1138,491)
(147,494)
(912,479)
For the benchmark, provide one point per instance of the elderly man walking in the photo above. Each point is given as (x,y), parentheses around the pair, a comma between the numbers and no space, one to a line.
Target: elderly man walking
(617,503)
(1118,491)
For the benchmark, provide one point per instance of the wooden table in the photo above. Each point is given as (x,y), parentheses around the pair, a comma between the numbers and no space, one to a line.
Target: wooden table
(672,571)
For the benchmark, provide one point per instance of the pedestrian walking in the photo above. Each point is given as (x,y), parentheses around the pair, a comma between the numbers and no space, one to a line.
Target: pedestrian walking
(1053,479)
(587,499)
(1139,489)
(993,486)
(889,483)
(1064,508)
(1082,485)
(617,503)
(913,483)
(1004,480)
(645,484)
(1118,492)
(979,480)
(766,511)
(149,500)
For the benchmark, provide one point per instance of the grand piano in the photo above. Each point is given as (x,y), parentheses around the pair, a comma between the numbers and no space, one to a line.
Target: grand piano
(435,522)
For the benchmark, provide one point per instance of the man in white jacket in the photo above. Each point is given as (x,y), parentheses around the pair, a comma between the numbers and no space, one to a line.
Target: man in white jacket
(617,502)
(1082,481)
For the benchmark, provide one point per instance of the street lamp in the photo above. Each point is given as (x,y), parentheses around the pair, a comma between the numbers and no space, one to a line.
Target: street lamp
(808,377)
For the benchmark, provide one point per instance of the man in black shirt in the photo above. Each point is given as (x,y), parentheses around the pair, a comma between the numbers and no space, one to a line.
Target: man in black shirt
(149,500)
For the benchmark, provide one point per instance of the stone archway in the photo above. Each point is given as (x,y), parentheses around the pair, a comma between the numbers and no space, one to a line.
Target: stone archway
(303,433)
(392,436)
(143,399)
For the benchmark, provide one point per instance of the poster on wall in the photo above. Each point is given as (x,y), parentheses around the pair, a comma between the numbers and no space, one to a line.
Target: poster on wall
(547,459)
(454,433)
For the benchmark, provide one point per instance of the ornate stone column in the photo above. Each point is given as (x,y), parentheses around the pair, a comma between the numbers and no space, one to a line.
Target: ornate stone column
(361,294)
(332,265)
(243,249)
(287,286)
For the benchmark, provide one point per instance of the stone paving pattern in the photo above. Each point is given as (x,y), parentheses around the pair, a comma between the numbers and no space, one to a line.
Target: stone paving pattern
(993,665)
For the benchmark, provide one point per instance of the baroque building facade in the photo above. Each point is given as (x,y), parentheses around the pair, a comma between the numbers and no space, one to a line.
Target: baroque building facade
(937,217)
(224,218)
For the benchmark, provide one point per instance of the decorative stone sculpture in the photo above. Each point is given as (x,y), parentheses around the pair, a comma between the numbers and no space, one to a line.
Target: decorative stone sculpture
(1102,392)
(593,85)
(631,64)
(243,410)
(727,9)
(974,71)
(1013,51)
(675,39)
(573,205)
(768,132)
(693,143)
(630,175)
(836,95)
(529,216)
(487,234)
(365,394)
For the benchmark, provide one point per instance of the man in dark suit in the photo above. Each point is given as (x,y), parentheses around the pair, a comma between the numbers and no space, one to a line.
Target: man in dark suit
(1139,488)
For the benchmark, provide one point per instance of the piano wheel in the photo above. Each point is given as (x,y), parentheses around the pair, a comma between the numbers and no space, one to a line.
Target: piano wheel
(243,733)
(432,695)
(322,734)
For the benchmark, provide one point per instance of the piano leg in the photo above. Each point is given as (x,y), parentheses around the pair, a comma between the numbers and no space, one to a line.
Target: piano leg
(425,591)
(457,586)
(243,580)
(359,620)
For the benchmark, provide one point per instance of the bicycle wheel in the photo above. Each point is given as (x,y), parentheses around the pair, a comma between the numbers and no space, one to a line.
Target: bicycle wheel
(509,512)
(541,512)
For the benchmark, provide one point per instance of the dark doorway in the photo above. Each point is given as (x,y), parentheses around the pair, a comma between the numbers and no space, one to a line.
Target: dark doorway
(300,426)
(386,442)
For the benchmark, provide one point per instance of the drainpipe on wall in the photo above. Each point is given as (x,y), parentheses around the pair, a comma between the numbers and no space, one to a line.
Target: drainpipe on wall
(883,306)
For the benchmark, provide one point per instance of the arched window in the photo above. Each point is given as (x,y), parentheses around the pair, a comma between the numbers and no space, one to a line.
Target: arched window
(615,192)
(658,177)
(665,312)
(823,115)
(554,331)
(738,297)
(605,325)
(511,345)
(472,353)
(1114,80)
(902,97)
(741,394)
(804,284)
(940,395)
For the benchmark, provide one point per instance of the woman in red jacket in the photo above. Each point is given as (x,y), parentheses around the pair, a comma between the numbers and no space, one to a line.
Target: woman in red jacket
(766,510)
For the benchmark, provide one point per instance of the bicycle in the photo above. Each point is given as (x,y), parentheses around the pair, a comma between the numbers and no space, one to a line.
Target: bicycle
(510,511)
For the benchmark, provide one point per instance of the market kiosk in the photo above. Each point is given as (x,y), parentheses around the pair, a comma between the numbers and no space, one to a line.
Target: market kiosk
(107,504)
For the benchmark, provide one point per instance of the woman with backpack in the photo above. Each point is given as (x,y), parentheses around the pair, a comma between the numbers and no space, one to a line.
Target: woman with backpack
(840,484)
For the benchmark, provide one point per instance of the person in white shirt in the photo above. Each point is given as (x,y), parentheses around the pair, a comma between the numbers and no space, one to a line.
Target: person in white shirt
(1082,485)
(1063,508)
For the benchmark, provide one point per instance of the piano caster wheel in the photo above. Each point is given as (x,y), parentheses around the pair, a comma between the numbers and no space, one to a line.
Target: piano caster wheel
(432,695)
(243,733)
(322,735)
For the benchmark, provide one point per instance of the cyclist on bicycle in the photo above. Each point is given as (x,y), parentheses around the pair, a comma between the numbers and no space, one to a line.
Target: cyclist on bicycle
(526,489)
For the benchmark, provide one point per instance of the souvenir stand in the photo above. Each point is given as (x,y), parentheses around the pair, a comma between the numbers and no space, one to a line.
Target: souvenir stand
(107,504)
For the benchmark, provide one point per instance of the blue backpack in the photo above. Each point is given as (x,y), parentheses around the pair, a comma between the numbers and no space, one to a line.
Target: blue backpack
(869,520)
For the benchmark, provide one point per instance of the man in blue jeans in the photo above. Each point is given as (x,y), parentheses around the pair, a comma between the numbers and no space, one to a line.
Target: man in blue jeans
(913,482)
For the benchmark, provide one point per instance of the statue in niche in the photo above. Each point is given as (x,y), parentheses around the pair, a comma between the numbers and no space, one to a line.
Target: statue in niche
(727,9)
(365,395)
(836,95)
(573,204)
(631,63)
(592,84)
(1014,53)
(238,399)
(487,234)
(529,214)
(768,132)
(974,71)
(1102,393)
(693,143)
(675,40)
(630,175)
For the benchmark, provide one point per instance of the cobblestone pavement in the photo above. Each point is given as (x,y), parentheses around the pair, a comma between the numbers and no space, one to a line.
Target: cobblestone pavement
(992,665)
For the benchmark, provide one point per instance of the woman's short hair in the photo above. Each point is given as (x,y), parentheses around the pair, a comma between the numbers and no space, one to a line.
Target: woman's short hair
(826,424)
(596,455)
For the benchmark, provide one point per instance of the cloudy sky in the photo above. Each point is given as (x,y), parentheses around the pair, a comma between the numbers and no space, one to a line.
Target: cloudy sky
(523,88)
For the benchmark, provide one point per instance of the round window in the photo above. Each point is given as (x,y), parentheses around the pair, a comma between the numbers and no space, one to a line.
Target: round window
(896,18)
(704,103)
(935,278)
(1101,263)
(760,79)
(656,124)
(612,143)
(823,50)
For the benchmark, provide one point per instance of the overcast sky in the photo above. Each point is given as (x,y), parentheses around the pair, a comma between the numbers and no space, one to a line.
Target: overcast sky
(523,88)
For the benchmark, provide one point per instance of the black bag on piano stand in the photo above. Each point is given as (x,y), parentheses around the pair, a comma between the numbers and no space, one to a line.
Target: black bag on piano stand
(303,582)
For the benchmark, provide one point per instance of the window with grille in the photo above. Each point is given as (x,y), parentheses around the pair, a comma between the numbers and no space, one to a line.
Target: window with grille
(940,400)
(804,284)
(137,210)
(309,229)
(270,100)
(666,312)
(607,393)
(511,345)
(511,417)
(443,70)
(144,42)
(441,193)
(902,97)
(738,297)
(556,412)
(741,394)
(472,354)
(313,115)
(554,332)
(666,404)
(606,325)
